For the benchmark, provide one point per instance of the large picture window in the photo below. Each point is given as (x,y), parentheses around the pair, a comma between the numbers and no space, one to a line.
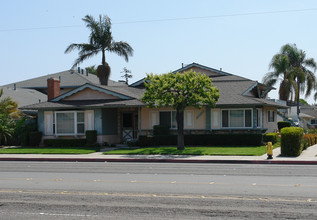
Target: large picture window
(236,118)
(69,122)
(168,118)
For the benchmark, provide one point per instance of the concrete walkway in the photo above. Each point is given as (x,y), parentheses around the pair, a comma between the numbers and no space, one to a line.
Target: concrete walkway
(307,157)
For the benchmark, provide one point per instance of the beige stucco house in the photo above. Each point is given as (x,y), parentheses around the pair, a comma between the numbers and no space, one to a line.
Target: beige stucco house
(118,114)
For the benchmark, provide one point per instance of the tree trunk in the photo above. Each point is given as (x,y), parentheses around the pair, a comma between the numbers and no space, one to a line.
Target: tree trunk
(103,73)
(298,91)
(180,129)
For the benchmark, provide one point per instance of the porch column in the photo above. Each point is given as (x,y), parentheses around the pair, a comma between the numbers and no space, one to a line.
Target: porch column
(139,121)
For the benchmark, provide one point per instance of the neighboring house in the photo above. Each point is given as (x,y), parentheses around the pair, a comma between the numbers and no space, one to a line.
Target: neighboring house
(118,115)
(34,90)
(311,115)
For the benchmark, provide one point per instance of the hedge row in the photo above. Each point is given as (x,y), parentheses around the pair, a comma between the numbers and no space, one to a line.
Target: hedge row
(270,137)
(202,140)
(291,141)
(64,142)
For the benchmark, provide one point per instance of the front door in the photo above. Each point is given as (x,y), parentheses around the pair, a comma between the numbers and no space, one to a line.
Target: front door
(127,126)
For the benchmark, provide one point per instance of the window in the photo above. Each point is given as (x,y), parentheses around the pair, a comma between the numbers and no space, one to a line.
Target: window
(259,118)
(313,121)
(168,118)
(236,118)
(69,123)
(270,116)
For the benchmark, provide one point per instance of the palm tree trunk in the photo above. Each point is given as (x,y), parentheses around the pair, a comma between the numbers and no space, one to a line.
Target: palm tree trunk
(103,62)
(298,88)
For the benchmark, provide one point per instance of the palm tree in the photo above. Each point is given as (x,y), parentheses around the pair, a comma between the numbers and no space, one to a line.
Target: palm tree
(301,69)
(280,66)
(100,40)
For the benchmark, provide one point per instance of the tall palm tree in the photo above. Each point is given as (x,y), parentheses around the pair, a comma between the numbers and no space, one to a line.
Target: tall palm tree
(100,40)
(280,66)
(302,69)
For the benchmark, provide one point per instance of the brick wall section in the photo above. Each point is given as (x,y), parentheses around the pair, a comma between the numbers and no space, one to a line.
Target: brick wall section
(53,88)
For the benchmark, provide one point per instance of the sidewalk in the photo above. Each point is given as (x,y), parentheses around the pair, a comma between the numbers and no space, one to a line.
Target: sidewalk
(307,157)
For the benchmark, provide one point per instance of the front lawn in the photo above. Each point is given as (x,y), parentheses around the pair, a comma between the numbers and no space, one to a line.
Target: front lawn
(225,150)
(48,150)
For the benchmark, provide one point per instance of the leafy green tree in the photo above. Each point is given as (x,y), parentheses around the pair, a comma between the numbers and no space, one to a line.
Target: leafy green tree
(303,101)
(100,40)
(178,91)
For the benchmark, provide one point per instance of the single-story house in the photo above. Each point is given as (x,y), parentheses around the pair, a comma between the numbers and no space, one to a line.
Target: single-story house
(117,113)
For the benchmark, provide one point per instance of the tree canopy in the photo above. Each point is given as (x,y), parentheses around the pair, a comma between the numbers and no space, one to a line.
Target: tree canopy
(179,91)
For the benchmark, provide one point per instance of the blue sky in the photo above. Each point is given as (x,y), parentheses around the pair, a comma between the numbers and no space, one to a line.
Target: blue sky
(238,36)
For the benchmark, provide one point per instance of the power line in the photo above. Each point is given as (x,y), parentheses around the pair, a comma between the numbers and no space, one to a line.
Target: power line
(168,19)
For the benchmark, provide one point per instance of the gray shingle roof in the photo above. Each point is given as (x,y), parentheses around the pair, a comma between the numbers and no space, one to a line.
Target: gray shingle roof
(68,79)
(24,96)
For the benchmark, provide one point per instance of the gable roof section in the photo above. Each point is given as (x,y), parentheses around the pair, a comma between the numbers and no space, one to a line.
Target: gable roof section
(186,67)
(105,90)
(68,79)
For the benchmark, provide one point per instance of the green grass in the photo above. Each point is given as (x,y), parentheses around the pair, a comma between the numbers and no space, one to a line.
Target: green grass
(48,150)
(225,150)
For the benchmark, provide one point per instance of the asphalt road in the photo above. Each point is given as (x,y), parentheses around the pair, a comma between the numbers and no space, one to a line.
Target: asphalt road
(42,190)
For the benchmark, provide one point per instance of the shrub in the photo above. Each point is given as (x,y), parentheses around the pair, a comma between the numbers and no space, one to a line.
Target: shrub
(291,141)
(311,139)
(35,138)
(283,124)
(91,137)
(65,142)
(161,130)
(270,137)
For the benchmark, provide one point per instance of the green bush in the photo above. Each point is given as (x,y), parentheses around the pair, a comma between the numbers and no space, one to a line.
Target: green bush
(283,124)
(64,142)
(270,137)
(291,141)
(91,137)
(161,130)
(35,138)
(202,140)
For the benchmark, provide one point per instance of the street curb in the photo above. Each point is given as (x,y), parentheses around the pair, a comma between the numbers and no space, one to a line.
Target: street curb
(144,160)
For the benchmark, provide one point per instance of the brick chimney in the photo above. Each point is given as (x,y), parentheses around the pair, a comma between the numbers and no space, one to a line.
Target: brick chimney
(53,88)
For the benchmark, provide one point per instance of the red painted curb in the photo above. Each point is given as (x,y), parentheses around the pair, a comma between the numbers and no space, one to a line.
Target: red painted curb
(163,161)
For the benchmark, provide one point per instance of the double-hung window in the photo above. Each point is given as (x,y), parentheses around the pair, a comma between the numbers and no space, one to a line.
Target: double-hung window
(69,122)
(270,115)
(168,118)
(236,118)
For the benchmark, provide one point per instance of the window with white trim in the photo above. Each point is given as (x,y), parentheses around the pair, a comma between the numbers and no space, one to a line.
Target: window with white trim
(69,122)
(168,118)
(236,118)
(270,115)
(259,118)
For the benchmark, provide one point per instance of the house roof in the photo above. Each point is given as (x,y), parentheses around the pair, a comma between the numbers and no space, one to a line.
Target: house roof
(86,104)
(309,110)
(68,79)
(234,91)
(24,96)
